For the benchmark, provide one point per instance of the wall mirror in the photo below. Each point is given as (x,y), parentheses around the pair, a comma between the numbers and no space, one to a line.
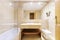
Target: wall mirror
(32,15)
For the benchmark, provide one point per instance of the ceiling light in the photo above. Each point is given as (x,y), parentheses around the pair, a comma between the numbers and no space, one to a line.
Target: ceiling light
(31,3)
(39,3)
(10,4)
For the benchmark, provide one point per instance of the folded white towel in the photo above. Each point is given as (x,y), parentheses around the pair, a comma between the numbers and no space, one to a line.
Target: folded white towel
(46,32)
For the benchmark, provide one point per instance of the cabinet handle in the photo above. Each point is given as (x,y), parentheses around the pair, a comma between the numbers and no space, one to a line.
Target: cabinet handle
(56,19)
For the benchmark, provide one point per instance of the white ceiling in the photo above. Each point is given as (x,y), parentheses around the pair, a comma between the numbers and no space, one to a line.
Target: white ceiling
(31,0)
(31,4)
(34,5)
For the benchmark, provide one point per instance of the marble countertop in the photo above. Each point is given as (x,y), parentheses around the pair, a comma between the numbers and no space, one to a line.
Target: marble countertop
(31,24)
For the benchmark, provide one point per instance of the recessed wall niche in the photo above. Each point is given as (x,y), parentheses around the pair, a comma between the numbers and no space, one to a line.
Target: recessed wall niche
(32,15)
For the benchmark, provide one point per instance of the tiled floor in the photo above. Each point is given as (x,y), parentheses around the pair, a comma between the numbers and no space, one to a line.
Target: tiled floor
(31,37)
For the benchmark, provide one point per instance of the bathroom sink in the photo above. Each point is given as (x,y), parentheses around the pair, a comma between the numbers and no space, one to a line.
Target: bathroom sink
(30,25)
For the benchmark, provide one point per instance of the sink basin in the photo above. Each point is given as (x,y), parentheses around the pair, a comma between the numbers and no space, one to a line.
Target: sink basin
(30,25)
